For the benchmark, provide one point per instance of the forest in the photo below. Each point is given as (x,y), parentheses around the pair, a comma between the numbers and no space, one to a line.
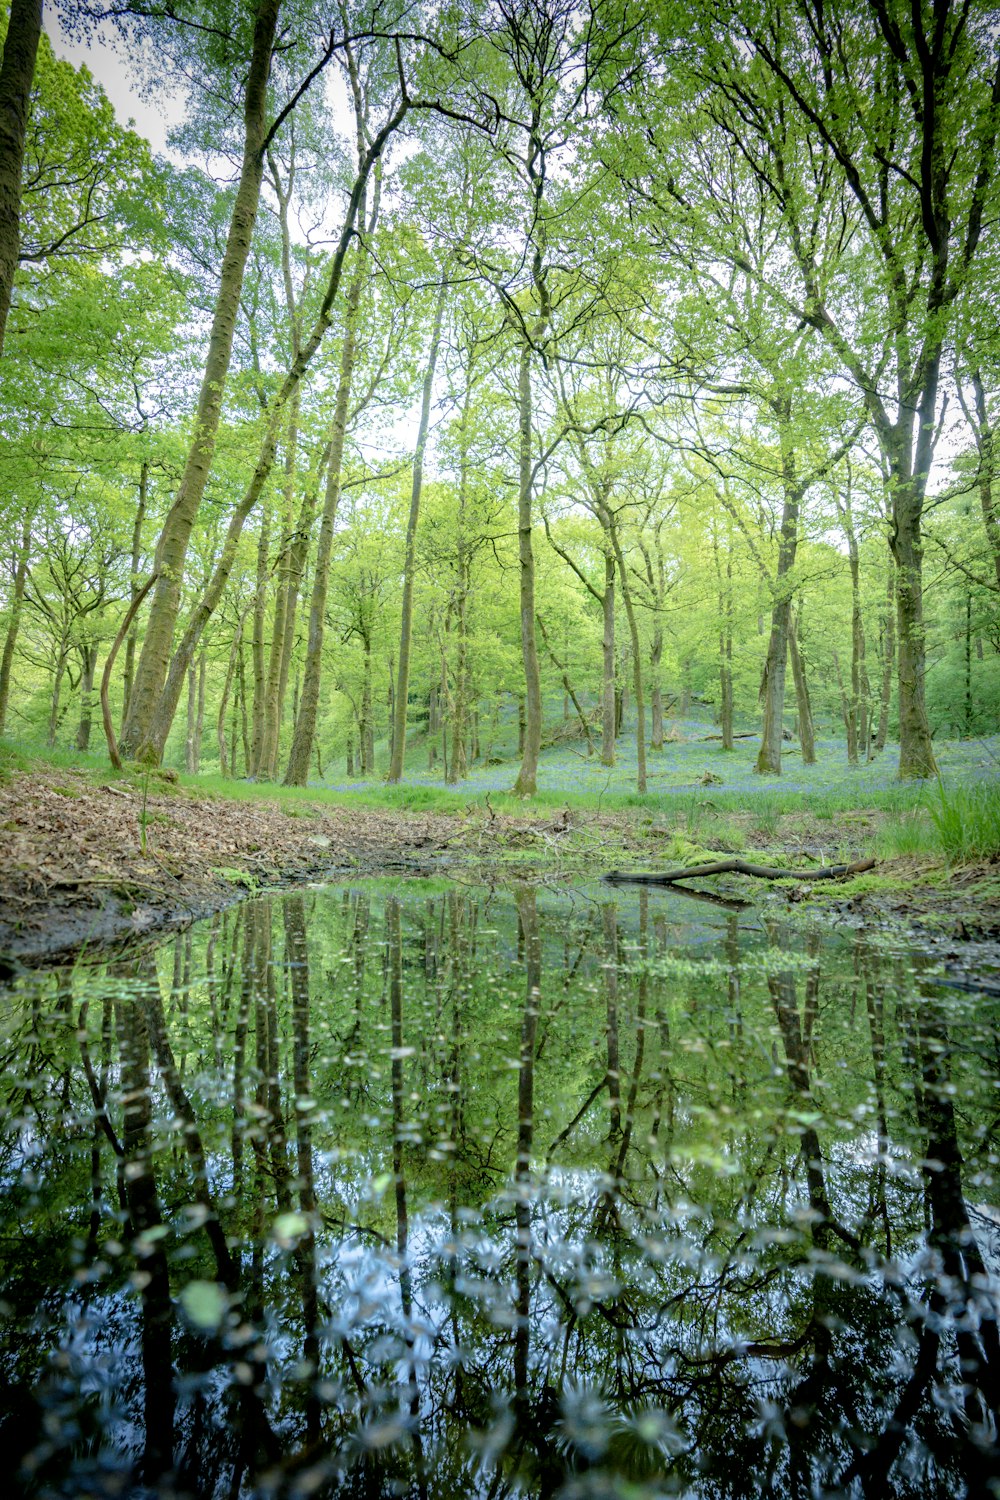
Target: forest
(463,370)
(499,693)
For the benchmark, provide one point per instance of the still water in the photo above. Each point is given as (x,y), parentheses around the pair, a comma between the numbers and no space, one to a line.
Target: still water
(418,1189)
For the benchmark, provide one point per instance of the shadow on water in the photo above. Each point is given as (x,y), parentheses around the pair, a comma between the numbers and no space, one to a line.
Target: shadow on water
(419,1190)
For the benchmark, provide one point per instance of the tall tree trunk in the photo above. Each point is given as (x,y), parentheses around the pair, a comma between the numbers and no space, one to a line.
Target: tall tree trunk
(526,784)
(136,582)
(726,686)
(17,69)
(857,722)
(241,688)
(171,548)
(888,659)
(807,736)
(916,753)
(57,678)
(656,688)
(409,555)
(257,647)
(88,665)
(609,724)
(14,619)
(640,709)
(367,727)
(297,771)
(725,639)
(268,767)
(234,653)
(985,438)
(459,762)
(967,729)
(772,689)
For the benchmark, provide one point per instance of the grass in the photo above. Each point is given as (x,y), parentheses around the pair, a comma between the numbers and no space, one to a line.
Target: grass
(957,820)
(967,822)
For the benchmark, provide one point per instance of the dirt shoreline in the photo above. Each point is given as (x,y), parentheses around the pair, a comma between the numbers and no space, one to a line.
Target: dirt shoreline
(87,866)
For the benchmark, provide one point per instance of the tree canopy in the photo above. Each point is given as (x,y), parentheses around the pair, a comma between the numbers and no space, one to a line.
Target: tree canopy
(503,365)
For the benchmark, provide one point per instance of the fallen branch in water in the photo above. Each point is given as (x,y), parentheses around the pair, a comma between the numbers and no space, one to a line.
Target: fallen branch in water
(739,867)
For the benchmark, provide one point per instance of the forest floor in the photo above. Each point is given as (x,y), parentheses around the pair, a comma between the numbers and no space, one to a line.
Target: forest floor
(92,858)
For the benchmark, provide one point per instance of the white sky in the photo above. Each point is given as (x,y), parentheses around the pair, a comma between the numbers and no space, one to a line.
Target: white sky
(152,116)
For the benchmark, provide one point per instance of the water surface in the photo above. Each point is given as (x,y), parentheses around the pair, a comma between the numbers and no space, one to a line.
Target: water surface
(415,1189)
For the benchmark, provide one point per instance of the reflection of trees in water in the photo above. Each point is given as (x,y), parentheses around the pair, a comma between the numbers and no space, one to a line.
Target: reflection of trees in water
(711,1279)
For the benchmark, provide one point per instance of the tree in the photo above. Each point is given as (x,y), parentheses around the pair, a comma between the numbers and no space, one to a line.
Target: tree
(856,124)
(17,68)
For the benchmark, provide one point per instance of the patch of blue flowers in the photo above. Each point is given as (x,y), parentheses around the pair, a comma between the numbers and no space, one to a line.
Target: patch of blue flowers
(688,760)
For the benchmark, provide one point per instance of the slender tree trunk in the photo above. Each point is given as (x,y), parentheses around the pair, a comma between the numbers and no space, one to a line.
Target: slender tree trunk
(772,689)
(234,653)
(297,772)
(858,710)
(14,619)
(845,712)
(409,555)
(985,438)
(609,725)
(857,723)
(88,665)
(17,69)
(367,728)
(726,686)
(656,689)
(241,685)
(916,753)
(57,678)
(257,647)
(459,765)
(725,639)
(888,659)
(526,784)
(136,582)
(172,546)
(268,768)
(640,708)
(968,664)
(807,737)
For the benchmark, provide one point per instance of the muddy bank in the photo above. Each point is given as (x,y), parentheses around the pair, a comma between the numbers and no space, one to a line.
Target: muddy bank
(86,865)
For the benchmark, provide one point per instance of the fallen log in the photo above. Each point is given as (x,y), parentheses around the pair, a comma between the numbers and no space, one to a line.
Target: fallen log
(738,867)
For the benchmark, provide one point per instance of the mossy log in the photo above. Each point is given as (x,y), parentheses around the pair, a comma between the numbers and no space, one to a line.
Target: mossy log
(738,867)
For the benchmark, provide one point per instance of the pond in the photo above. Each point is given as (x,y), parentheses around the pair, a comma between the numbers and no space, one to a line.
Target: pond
(422,1189)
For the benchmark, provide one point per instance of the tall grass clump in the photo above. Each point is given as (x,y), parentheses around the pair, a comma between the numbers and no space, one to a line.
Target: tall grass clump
(908,831)
(967,822)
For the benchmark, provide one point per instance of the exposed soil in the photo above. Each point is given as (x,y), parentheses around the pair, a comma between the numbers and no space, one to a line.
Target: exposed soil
(77,872)
(85,864)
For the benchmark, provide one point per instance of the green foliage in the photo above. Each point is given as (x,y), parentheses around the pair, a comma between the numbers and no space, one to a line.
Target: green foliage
(967,822)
